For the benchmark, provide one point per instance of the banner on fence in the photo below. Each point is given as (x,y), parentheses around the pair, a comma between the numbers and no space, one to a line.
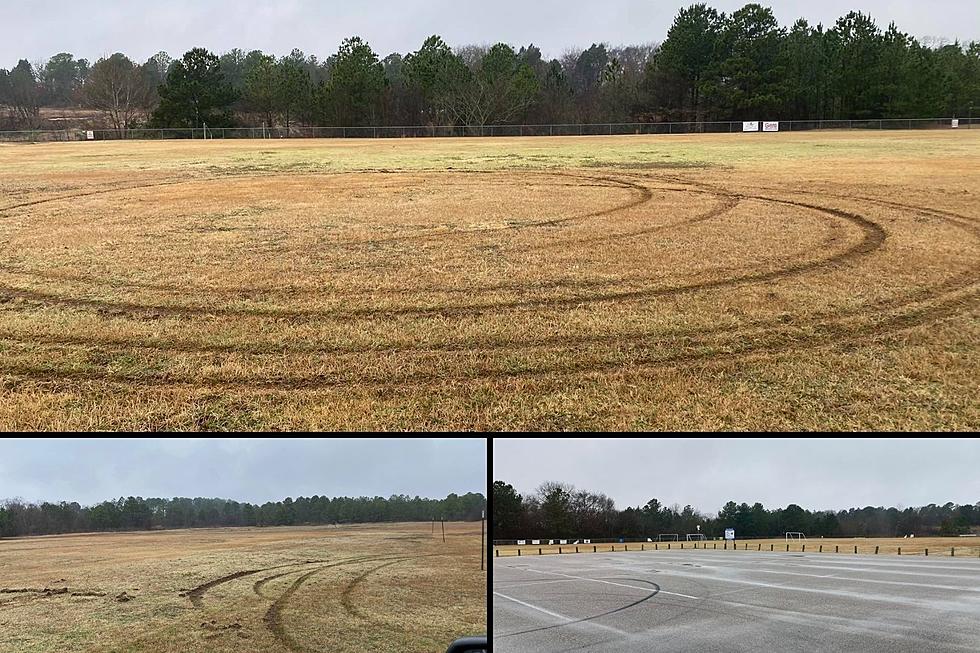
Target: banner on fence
(770,126)
(521,542)
(955,123)
(729,533)
(752,126)
(535,541)
(90,135)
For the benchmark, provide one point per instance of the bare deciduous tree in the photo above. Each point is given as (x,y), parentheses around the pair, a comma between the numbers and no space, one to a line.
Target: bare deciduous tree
(118,88)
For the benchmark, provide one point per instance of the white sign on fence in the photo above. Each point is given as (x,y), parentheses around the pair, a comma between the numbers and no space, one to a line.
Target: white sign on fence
(535,541)
(750,126)
(90,135)
(562,541)
(956,123)
(521,542)
(729,533)
(770,126)
(587,541)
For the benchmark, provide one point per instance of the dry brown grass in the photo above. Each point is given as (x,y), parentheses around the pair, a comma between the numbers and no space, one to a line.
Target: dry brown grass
(363,589)
(810,281)
(937,546)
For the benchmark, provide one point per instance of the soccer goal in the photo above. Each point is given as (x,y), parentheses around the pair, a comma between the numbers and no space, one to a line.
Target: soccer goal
(790,535)
(695,537)
(669,537)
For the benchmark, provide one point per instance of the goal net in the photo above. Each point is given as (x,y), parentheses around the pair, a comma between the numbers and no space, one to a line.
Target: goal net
(669,537)
(790,535)
(696,537)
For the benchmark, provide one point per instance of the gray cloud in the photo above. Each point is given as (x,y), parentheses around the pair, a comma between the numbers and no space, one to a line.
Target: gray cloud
(89,470)
(817,474)
(140,28)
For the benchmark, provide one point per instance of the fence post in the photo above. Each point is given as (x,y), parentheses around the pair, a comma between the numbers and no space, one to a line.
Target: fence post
(837,548)
(821,549)
(539,551)
(641,548)
(876,550)
(518,553)
(593,549)
(559,550)
(927,551)
(772,547)
(855,548)
(576,549)
(952,551)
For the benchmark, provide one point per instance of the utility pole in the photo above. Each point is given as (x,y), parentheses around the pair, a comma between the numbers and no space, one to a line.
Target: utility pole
(444,530)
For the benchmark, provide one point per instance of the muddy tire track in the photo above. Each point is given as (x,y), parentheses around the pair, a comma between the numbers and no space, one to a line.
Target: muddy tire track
(196,595)
(273,618)
(345,595)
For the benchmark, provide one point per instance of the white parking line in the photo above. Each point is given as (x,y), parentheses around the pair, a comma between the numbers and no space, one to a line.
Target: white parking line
(606,582)
(517,583)
(851,594)
(757,570)
(533,607)
(585,623)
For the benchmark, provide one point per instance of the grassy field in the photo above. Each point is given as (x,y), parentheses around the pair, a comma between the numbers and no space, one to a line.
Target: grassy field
(367,589)
(757,281)
(937,546)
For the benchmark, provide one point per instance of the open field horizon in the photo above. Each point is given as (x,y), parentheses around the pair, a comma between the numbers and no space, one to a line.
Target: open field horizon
(758,281)
(392,587)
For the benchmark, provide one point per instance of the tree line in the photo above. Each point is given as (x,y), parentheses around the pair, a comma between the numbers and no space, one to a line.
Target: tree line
(559,510)
(710,66)
(18,517)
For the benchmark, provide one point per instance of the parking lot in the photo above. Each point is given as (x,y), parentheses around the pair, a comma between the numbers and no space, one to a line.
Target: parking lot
(735,601)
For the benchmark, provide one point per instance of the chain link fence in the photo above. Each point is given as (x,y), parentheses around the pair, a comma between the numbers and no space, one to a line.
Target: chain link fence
(448,131)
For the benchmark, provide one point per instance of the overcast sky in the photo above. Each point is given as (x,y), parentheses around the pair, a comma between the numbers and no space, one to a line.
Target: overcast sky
(818,474)
(139,28)
(90,470)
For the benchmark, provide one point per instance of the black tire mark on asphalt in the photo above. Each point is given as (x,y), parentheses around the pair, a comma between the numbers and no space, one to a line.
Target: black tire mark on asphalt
(654,592)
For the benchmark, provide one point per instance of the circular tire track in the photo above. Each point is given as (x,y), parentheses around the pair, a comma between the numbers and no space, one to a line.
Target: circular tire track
(628,606)
(947,299)
(873,238)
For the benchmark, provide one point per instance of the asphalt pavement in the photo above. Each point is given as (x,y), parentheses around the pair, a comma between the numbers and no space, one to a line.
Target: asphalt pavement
(702,601)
